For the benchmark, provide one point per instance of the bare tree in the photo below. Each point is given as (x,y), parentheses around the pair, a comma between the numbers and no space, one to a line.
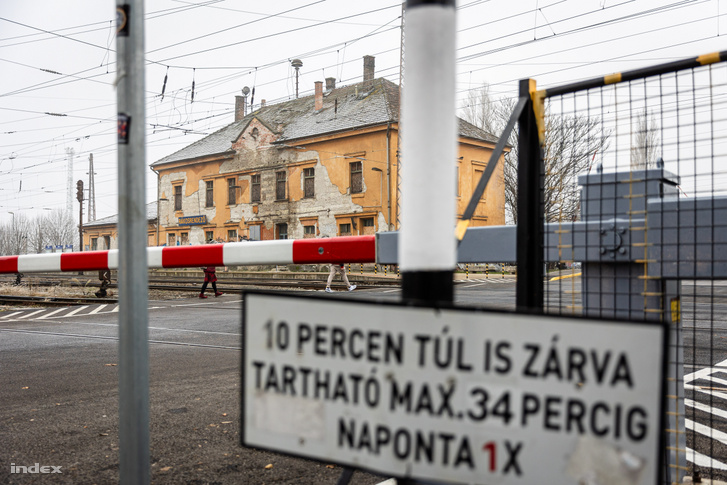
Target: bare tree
(30,235)
(4,239)
(37,239)
(644,142)
(571,142)
(59,228)
(479,110)
(14,236)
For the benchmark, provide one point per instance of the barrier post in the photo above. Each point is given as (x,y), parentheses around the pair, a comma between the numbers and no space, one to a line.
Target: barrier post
(429,146)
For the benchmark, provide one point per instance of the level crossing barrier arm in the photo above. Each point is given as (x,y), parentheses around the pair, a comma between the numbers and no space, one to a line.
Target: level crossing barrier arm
(347,249)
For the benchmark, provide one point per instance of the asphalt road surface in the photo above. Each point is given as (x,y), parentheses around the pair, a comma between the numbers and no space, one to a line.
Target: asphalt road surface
(59,390)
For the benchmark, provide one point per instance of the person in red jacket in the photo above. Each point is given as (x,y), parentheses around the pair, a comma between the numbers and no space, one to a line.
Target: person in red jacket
(209,277)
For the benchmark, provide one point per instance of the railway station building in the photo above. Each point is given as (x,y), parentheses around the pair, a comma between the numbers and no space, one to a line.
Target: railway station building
(102,234)
(320,165)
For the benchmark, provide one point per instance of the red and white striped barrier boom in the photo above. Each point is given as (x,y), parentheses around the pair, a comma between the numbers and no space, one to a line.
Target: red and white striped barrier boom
(347,249)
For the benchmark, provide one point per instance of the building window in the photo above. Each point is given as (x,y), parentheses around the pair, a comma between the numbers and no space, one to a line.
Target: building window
(210,200)
(356,177)
(478,176)
(309,189)
(231,194)
(282,230)
(280,185)
(171,239)
(107,242)
(344,229)
(232,235)
(309,231)
(255,188)
(185,238)
(208,236)
(177,197)
(255,233)
(94,244)
(368,226)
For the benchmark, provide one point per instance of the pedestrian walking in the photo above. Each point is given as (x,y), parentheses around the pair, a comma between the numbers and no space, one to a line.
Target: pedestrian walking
(338,268)
(209,277)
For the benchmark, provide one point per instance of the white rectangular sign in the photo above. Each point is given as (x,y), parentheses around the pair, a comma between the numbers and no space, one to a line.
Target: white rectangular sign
(453,395)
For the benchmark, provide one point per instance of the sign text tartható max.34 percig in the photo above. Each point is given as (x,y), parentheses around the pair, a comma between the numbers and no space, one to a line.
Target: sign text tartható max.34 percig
(452,395)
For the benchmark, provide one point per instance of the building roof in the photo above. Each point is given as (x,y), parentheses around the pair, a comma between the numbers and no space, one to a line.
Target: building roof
(353,107)
(151,215)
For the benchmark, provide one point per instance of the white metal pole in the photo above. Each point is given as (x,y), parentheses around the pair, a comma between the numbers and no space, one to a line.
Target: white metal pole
(427,249)
(133,282)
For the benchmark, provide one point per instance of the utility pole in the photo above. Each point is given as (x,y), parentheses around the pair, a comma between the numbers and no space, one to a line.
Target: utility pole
(79,197)
(91,191)
(69,180)
(133,280)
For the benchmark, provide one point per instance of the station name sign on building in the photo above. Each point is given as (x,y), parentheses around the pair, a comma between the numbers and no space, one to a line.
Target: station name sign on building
(453,395)
(192,220)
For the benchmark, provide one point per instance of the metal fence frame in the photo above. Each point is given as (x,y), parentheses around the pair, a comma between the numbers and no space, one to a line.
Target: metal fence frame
(629,240)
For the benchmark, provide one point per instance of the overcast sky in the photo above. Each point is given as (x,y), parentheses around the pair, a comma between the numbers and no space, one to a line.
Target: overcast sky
(57,61)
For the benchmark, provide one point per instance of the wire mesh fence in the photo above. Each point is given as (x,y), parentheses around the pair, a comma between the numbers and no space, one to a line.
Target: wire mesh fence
(635,205)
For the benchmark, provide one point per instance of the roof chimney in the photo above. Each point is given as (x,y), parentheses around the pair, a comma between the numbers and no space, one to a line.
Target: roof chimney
(330,83)
(240,105)
(319,95)
(263,103)
(369,68)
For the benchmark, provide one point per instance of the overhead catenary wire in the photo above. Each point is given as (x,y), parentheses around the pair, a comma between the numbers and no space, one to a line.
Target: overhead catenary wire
(191,120)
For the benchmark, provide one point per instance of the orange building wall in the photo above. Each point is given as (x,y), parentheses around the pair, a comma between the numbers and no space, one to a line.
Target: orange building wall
(333,203)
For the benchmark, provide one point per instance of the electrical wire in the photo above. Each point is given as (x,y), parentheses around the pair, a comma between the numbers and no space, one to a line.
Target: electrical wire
(391,68)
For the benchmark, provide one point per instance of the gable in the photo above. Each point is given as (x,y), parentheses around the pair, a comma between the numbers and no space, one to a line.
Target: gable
(255,134)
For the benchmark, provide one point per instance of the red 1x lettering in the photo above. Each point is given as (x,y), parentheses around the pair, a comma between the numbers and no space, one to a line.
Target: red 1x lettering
(512,463)
(491,447)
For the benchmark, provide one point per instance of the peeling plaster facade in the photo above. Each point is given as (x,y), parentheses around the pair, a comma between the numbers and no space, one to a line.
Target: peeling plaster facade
(346,151)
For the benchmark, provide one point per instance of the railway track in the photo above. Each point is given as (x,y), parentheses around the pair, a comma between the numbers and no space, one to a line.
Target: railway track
(229,283)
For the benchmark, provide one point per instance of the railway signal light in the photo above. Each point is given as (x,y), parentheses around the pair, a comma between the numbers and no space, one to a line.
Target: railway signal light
(79,191)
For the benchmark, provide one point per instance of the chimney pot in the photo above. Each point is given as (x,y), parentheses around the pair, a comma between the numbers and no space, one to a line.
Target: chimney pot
(262,103)
(330,83)
(319,95)
(369,68)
